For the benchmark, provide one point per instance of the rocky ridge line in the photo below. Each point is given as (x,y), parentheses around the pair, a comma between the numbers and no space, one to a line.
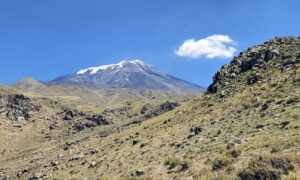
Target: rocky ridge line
(258,59)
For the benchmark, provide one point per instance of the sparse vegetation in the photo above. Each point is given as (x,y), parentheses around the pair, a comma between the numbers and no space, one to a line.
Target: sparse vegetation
(176,165)
(269,167)
(220,163)
(234,137)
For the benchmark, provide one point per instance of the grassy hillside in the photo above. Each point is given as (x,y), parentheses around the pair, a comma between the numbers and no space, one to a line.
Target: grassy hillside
(246,126)
(26,130)
(103,98)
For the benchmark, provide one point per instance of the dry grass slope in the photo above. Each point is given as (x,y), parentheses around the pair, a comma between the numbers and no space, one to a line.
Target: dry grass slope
(245,127)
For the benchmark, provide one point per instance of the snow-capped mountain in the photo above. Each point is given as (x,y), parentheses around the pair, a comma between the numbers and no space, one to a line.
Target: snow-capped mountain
(127,74)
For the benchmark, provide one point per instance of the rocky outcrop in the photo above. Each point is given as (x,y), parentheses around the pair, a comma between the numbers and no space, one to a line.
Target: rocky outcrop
(18,107)
(162,108)
(83,120)
(257,60)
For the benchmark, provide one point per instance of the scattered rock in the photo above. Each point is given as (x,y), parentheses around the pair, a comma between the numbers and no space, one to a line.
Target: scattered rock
(92,164)
(168,106)
(144,109)
(237,141)
(264,107)
(258,99)
(284,123)
(162,145)
(254,77)
(194,131)
(162,108)
(233,142)
(137,173)
(47,136)
(259,126)
(54,163)
(279,101)
(135,141)
(291,100)
(17,126)
(51,127)
(222,94)
(167,121)
(143,145)
(210,105)
(36,175)
(25,171)
(94,151)
(213,139)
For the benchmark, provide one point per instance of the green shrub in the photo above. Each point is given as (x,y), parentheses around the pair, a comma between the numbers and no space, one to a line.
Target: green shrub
(235,153)
(269,167)
(176,165)
(276,149)
(220,163)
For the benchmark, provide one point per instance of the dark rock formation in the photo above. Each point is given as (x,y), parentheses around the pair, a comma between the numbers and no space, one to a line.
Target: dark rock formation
(258,59)
(18,107)
(83,120)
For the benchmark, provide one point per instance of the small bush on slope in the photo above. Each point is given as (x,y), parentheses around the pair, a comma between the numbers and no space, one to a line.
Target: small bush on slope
(269,167)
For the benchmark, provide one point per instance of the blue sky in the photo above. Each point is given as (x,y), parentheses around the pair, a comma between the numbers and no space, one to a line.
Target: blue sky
(46,39)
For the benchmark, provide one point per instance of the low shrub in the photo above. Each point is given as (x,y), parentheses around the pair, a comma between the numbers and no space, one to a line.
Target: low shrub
(276,149)
(176,165)
(235,153)
(220,163)
(269,167)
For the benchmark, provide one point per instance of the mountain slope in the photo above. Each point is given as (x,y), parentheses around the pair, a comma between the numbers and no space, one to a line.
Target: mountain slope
(127,74)
(103,97)
(246,126)
(250,115)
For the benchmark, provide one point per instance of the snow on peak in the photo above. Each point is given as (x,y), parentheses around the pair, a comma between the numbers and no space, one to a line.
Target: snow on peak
(93,70)
(137,62)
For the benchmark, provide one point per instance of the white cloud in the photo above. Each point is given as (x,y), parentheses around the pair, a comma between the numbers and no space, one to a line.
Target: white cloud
(212,46)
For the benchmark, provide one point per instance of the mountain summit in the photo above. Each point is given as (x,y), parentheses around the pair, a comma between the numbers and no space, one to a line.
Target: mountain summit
(26,82)
(94,70)
(133,74)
